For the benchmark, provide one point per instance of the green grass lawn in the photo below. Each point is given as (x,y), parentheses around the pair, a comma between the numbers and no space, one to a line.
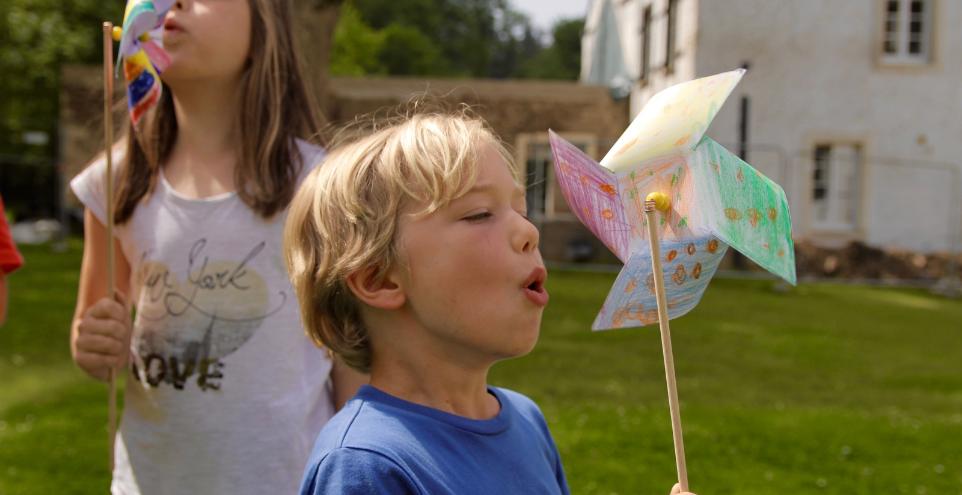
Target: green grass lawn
(824,389)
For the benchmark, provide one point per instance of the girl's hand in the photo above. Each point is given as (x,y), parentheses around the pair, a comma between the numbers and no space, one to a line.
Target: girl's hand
(103,337)
(676,490)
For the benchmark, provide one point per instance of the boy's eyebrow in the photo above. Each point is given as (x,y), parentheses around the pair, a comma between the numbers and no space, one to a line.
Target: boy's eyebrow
(488,187)
(480,187)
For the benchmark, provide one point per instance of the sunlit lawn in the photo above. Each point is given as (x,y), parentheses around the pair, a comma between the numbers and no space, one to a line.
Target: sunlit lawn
(823,389)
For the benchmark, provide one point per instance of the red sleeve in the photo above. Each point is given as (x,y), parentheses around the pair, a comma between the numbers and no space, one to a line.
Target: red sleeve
(10,258)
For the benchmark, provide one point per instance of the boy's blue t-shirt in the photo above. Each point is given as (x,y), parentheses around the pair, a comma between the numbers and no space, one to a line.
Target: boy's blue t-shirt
(379,443)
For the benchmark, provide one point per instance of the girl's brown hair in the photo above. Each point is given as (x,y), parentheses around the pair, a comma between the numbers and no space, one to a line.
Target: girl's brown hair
(275,108)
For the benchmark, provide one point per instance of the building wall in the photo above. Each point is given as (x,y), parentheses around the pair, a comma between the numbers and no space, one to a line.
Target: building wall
(816,75)
(629,15)
(685,50)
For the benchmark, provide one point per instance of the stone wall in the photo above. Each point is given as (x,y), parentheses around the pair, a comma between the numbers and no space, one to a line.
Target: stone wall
(516,110)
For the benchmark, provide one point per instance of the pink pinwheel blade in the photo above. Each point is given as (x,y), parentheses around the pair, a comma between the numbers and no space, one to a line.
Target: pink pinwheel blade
(156,54)
(141,54)
(592,194)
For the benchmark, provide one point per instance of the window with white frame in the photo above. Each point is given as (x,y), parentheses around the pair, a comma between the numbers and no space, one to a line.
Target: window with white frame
(671,18)
(907,31)
(835,186)
(535,153)
(645,44)
(537,163)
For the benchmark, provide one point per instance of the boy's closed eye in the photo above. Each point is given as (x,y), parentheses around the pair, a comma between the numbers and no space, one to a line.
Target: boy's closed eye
(478,216)
(483,215)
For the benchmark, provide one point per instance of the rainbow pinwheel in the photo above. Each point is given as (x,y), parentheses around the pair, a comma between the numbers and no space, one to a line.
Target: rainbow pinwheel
(717,200)
(142,55)
(143,60)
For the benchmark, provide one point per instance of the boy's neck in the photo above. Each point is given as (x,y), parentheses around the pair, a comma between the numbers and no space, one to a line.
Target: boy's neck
(436,383)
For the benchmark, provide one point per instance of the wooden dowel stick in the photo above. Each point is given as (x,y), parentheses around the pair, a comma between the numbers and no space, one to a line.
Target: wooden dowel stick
(673,406)
(108,156)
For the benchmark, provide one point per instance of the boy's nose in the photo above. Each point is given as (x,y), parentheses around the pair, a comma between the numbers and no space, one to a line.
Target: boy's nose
(526,236)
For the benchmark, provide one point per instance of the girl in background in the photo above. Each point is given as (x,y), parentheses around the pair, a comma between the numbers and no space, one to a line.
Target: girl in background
(225,393)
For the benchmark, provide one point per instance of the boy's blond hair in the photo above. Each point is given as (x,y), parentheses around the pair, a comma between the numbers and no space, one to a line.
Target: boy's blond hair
(345,216)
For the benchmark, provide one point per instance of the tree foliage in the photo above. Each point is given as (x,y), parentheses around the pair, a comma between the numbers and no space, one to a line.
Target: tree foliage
(454,38)
(560,60)
(36,38)
(448,38)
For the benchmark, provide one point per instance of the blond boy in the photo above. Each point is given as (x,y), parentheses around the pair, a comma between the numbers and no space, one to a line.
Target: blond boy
(413,260)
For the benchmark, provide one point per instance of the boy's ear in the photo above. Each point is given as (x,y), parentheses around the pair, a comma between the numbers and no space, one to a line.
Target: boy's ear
(381,292)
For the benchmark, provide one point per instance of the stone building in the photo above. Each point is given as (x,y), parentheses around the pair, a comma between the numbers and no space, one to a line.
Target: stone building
(851,106)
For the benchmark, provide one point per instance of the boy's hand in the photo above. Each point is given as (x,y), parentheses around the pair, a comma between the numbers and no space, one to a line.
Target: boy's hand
(676,490)
(103,337)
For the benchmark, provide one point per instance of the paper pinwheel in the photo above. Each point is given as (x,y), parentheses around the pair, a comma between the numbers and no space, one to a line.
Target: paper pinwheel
(141,53)
(709,199)
(716,200)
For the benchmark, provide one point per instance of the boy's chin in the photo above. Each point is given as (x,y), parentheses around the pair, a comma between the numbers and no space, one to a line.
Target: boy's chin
(521,346)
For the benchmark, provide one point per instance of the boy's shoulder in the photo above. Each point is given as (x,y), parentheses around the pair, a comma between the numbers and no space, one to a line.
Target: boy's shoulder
(362,450)
(521,402)
(392,446)
(522,405)
(353,470)
(375,420)
(348,458)
(364,423)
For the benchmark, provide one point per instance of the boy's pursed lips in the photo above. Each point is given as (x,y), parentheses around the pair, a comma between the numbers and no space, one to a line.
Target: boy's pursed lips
(533,286)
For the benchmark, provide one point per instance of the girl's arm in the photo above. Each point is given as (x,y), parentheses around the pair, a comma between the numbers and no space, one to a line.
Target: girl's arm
(100,332)
(346,381)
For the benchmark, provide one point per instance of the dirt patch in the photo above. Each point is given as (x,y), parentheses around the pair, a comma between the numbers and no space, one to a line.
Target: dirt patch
(860,261)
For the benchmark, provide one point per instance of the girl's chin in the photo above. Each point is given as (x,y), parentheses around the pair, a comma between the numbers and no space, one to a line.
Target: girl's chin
(177,75)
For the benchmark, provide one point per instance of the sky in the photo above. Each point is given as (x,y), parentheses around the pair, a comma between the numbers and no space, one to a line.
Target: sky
(543,13)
